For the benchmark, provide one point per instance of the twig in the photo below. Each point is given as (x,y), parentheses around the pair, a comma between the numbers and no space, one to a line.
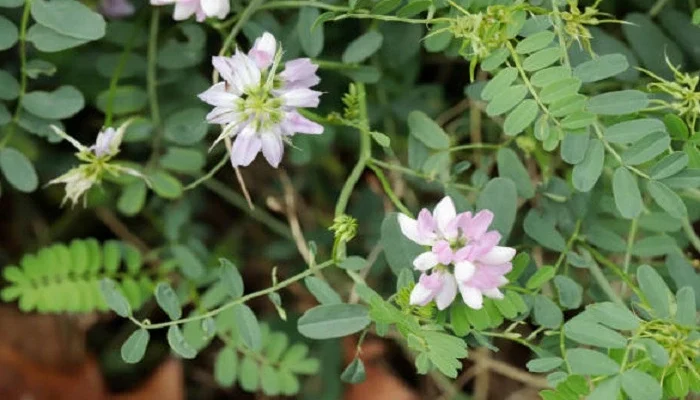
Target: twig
(120,229)
(239,177)
(291,212)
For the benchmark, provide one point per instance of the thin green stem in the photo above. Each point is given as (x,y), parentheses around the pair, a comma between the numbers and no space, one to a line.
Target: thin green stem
(559,29)
(562,349)
(242,19)
(114,80)
(603,281)
(240,202)
(388,190)
(296,4)
(152,83)
(614,153)
(335,65)
(472,146)
(240,300)
(569,244)
(10,130)
(690,233)
(363,159)
(628,251)
(209,174)
(657,7)
(391,18)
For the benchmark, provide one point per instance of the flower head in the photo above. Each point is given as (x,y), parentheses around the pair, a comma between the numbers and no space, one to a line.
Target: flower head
(95,162)
(464,242)
(116,8)
(202,9)
(259,106)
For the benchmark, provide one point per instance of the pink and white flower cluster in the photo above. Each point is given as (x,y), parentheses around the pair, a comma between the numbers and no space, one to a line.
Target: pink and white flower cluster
(462,254)
(259,106)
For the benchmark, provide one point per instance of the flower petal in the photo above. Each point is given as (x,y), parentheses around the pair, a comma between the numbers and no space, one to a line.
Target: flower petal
(409,228)
(247,74)
(246,147)
(478,225)
(444,213)
(225,68)
(272,148)
(447,293)
(263,50)
(425,261)
(223,115)
(300,97)
(471,296)
(184,10)
(494,293)
(116,8)
(300,73)
(421,295)
(443,251)
(464,271)
(498,255)
(296,123)
(216,8)
(217,95)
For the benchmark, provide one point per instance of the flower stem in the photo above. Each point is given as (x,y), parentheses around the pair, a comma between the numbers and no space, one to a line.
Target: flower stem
(152,83)
(388,190)
(240,300)
(116,75)
(209,174)
(363,159)
(628,252)
(296,4)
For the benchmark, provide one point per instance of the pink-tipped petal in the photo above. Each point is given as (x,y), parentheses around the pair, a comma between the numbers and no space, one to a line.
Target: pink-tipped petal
(478,225)
(409,228)
(498,255)
(300,97)
(296,123)
(225,68)
(447,292)
(443,251)
(471,296)
(300,73)
(420,295)
(464,271)
(263,50)
(245,148)
(425,261)
(444,213)
(272,148)
(482,245)
(426,223)
(218,96)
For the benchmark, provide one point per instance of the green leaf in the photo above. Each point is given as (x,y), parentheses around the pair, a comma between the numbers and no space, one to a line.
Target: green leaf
(626,192)
(385,6)
(249,374)
(640,386)
(311,39)
(178,343)
(182,160)
(543,231)
(686,309)
(521,117)
(8,33)
(62,103)
(165,185)
(535,42)
(506,100)
(510,166)
(427,131)
(127,100)
(168,301)
(36,68)
(590,333)
(546,312)
(398,249)
(655,290)
(132,199)
(618,103)
(413,8)
(5,117)
(363,47)
(634,130)
(676,127)
(322,291)
(570,293)
(186,127)
(550,75)
(656,352)
(578,120)
(651,45)
(572,104)
(542,59)
(18,170)
(494,60)
(50,41)
(188,262)
(499,83)
(134,348)
(587,172)
(606,390)
(669,165)
(667,199)
(333,321)
(114,298)
(176,54)
(225,367)
(690,178)
(248,327)
(601,67)
(500,196)
(231,278)
(9,87)
(547,364)
(459,319)
(540,277)
(647,148)
(354,372)
(353,263)
(613,315)
(70,18)
(591,362)
(559,90)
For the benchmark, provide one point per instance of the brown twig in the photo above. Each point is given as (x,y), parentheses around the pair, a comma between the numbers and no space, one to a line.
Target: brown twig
(239,176)
(291,214)
(120,229)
